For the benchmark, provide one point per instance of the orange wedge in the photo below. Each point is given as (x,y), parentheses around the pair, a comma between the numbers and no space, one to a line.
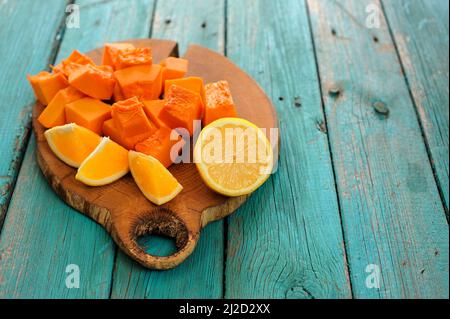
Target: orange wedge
(152,178)
(71,143)
(106,164)
(233,156)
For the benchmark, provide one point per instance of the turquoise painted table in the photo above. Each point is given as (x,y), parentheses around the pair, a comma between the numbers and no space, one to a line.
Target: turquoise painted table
(359,204)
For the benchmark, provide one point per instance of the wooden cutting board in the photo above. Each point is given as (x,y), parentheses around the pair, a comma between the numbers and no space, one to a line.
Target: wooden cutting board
(121,208)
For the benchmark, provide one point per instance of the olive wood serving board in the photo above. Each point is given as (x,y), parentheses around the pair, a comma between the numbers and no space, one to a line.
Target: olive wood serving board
(121,208)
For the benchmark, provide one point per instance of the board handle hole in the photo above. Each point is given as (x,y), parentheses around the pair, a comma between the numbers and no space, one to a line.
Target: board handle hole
(160,233)
(157,245)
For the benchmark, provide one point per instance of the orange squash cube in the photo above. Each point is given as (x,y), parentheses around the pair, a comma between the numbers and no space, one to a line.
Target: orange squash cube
(181,108)
(143,81)
(97,82)
(219,102)
(54,114)
(75,57)
(110,51)
(45,85)
(153,109)
(110,129)
(132,57)
(160,146)
(89,113)
(174,68)
(193,83)
(117,94)
(130,120)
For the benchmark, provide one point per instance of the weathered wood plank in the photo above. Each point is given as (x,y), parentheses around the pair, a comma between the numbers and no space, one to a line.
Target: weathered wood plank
(103,21)
(286,241)
(200,276)
(42,235)
(391,210)
(420,30)
(191,22)
(21,52)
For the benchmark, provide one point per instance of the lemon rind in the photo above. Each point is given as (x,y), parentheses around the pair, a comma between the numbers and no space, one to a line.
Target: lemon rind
(202,168)
(99,182)
(150,197)
(55,150)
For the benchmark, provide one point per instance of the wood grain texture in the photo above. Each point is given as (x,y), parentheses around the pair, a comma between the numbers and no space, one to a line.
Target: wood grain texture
(107,21)
(191,22)
(27,51)
(41,237)
(26,253)
(286,241)
(420,30)
(201,275)
(391,210)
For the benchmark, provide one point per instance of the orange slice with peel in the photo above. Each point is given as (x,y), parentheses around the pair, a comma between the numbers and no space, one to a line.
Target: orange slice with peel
(106,164)
(71,143)
(152,178)
(233,156)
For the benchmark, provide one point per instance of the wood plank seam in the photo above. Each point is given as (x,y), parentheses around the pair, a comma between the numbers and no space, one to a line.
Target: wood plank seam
(347,265)
(150,31)
(21,142)
(414,102)
(282,244)
(11,178)
(389,234)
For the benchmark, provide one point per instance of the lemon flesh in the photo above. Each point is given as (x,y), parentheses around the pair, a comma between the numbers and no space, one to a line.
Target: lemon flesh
(233,156)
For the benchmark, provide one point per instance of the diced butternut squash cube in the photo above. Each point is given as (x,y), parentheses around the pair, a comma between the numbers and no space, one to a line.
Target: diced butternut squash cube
(130,120)
(133,57)
(89,113)
(54,114)
(153,109)
(174,68)
(143,81)
(117,94)
(161,146)
(45,85)
(75,57)
(219,102)
(110,129)
(193,83)
(110,51)
(96,82)
(182,108)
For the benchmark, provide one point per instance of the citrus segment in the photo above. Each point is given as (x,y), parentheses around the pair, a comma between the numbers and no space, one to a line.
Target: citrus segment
(152,178)
(233,156)
(106,164)
(71,143)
